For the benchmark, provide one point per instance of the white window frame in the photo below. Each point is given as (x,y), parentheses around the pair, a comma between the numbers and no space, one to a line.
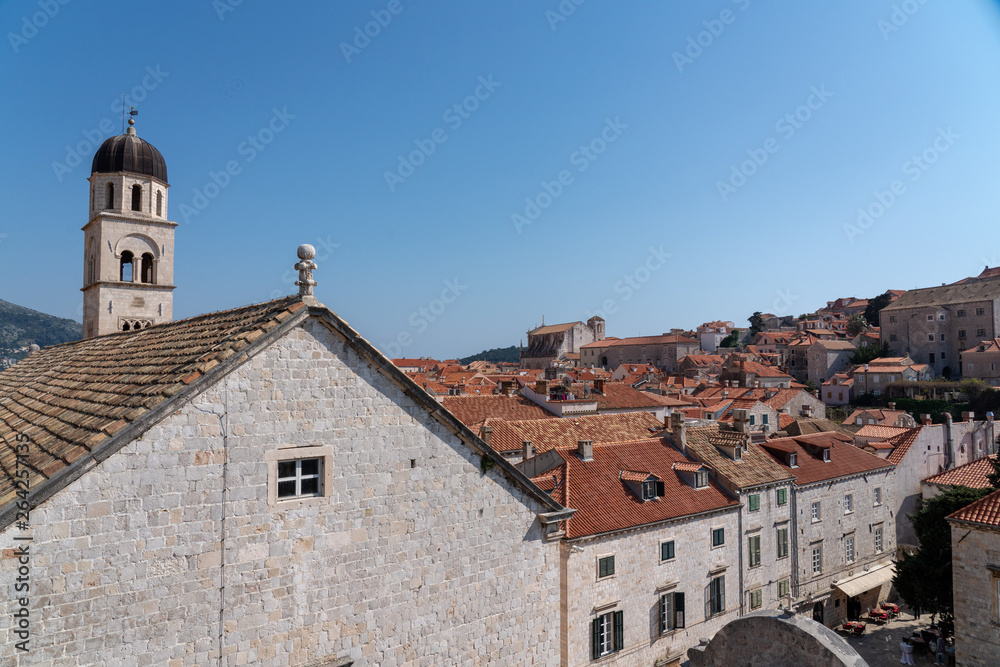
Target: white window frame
(849,548)
(817,559)
(674,549)
(878,539)
(607,640)
(816,511)
(849,503)
(877,492)
(273,457)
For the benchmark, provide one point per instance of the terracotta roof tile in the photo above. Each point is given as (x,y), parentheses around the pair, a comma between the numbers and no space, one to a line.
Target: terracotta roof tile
(985,511)
(546,434)
(972,475)
(473,410)
(755,468)
(845,458)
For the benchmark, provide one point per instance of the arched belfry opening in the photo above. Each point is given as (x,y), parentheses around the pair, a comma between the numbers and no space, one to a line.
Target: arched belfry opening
(136,197)
(128,270)
(125,270)
(146,270)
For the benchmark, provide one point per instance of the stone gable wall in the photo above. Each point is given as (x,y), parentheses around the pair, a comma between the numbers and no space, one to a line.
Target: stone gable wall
(415,557)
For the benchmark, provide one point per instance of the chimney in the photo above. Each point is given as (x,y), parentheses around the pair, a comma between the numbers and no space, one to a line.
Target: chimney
(486,433)
(949,434)
(507,387)
(542,387)
(968,416)
(925,420)
(585,449)
(725,393)
(892,405)
(741,420)
(599,385)
(679,430)
(527,450)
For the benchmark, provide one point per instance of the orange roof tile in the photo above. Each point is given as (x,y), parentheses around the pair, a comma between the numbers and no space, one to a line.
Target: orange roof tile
(972,475)
(474,410)
(546,434)
(985,511)
(845,458)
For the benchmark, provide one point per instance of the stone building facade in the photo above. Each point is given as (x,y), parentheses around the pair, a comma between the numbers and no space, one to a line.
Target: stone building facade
(982,362)
(975,553)
(548,344)
(664,352)
(173,539)
(935,324)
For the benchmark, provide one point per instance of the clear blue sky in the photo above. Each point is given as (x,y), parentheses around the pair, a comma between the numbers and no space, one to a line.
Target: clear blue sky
(663,120)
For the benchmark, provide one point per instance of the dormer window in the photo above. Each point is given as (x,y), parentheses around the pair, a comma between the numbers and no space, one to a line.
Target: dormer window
(737,453)
(826,454)
(793,460)
(650,490)
(700,479)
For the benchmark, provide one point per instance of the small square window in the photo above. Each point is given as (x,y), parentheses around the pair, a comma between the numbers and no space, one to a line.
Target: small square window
(941,317)
(299,478)
(930,318)
(960,313)
(980,311)
(667,550)
(961,333)
(980,332)
(718,537)
(605,567)
(754,502)
(892,318)
(930,337)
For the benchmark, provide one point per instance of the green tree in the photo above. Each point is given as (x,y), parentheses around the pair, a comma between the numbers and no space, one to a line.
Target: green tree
(875,305)
(857,324)
(756,323)
(866,353)
(923,579)
(732,340)
(994,477)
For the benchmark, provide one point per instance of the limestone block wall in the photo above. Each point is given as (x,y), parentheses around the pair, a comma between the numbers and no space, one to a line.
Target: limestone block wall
(170,552)
(640,579)
(831,533)
(976,576)
(764,523)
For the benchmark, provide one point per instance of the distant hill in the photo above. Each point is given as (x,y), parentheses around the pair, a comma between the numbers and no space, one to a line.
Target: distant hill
(20,326)
(496,355)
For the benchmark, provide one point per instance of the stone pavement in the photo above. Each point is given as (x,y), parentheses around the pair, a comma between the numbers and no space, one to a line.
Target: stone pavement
(879,646)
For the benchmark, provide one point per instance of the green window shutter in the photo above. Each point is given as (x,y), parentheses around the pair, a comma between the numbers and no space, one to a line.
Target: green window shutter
(619,631)
(595,635)
(722,593)
(678,610)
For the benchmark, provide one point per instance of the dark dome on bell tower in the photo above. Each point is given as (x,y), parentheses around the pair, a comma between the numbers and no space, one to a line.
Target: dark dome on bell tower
(127,152)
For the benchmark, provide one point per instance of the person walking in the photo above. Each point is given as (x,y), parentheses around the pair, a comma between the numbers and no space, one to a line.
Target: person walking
(907,652)
(940,657)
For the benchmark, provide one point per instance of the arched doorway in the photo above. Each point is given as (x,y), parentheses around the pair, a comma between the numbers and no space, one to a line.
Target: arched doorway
(946,372)
(818,612)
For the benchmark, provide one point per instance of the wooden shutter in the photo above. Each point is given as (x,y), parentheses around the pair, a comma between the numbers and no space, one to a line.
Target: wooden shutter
(660,490)
(722,594)
(595,637)
(678,610)
(619,631)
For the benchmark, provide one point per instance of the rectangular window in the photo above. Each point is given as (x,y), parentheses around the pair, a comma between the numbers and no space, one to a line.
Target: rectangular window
(960,313)
(782,539)
(700,479)
(815,511)
(605,567)
(849,549)
(892,337)
(878,495)
(930,358)
(782,497)
(930,337)
(607,634)
(817,559)
(970,366)
(961,333)
(763,419)
(671,612)
(716,596)
(753,544)
(878,539)
(930,318)
(848,503)
(980,311)
(752,420)
(718,537)
(651,490)
(941,338)
(980,332)
(667,550)
(754,502)
(756,599)
(892,318)
(784,586)
(941,317)
(300,478)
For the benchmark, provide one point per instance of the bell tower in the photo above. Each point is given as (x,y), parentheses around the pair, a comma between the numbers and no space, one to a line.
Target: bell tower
(128,242)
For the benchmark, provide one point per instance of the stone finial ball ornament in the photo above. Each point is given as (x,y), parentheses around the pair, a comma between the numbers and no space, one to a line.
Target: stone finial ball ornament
(306,251)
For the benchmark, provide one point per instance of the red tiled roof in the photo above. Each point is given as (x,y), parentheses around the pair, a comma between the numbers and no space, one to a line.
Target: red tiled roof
(635,475)
(985,511)
(902,443)
(879,432)
(972,475)
(684,466)
(473,410)
(845,458)
(554,328)
(604,504)
(641,340)
(546,434)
